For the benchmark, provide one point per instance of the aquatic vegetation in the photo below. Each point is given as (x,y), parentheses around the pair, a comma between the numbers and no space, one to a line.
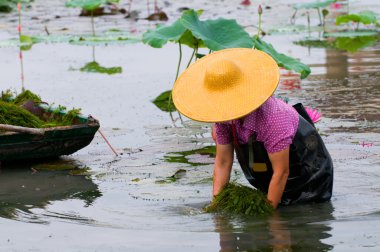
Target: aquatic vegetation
(14,115)
(183,156)
(26,95)
(95,67)
(55,167)
(176,176)
(164,103)
(15,111)
(240,199)
(342,41)
(363,17)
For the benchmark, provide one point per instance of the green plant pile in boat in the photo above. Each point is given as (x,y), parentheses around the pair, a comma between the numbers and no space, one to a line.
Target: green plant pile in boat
(15,115)
(12,112)
(240,199)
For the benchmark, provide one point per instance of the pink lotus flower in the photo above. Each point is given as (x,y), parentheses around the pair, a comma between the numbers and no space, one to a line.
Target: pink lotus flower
(246,2)
(314,114)
(336,6)
(19,7)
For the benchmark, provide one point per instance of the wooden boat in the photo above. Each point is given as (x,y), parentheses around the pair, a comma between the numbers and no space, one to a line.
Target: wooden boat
(20,143)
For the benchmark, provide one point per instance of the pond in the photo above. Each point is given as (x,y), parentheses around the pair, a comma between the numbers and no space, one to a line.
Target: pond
(131,202)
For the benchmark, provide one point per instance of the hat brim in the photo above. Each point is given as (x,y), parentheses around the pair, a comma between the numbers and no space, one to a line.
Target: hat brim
(258,82)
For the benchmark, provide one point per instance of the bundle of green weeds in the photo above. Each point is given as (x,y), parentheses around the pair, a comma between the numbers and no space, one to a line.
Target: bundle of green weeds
(15,115)
(27,96)
(240,199)
(11,113)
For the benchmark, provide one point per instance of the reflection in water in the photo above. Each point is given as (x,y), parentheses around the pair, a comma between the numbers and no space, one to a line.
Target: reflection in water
(294,228)
(347,89)
(21,191)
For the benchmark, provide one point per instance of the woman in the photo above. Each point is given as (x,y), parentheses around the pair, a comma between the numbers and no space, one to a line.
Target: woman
(279,150)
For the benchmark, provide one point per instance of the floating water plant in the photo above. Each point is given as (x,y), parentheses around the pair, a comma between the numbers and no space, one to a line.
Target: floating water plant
(176,176)
(94,67)
(363,17)
(241,200)
(341,42)
(164,103)
(183,156)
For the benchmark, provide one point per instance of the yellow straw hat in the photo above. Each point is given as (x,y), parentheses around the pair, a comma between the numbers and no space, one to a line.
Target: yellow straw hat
(226,85)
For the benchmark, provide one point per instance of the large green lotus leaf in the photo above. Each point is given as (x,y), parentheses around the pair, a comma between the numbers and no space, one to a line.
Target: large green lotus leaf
(216,34)
(94,67)
(88,5)
(188,39)
(364,17)
(159,37)
(356,43)
(281,59)
(313,5)
(164,102)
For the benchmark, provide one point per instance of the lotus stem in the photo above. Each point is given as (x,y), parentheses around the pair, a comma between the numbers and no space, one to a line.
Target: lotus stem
(20,52)
(191,58)
(179,61)
(319,15)
(308,23)
(260,11)
(176,76)
(92,23)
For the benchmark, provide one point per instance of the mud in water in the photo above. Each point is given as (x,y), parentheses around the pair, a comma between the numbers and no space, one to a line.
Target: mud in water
(119,204)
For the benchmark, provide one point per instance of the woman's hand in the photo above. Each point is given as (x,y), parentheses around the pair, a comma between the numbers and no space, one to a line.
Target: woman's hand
(280,166)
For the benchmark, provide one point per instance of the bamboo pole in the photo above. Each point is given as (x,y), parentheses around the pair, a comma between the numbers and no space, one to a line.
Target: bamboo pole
(13,128)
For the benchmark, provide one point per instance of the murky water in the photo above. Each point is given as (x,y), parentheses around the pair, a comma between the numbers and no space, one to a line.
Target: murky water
(127,203)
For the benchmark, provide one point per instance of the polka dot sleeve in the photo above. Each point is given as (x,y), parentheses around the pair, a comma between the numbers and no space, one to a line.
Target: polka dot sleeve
(223,133)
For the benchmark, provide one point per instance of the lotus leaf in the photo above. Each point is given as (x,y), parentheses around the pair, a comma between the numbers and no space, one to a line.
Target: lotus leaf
(364,17)
(216,34)
(281,59)
(26,42)
(313,5)
(94,67)
(356,43)
(164,102)
(159,37)
(88,5)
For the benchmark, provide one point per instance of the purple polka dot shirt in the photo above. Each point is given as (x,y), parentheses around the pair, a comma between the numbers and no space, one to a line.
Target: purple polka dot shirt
(274,122)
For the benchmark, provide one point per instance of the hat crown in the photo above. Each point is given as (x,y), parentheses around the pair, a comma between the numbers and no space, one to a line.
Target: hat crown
(222,74)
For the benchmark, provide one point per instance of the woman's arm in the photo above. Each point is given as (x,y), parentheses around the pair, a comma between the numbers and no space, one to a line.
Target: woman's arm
(280,166)
(222,166)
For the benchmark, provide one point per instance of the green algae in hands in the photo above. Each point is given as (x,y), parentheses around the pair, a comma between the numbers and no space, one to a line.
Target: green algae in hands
(240,199)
